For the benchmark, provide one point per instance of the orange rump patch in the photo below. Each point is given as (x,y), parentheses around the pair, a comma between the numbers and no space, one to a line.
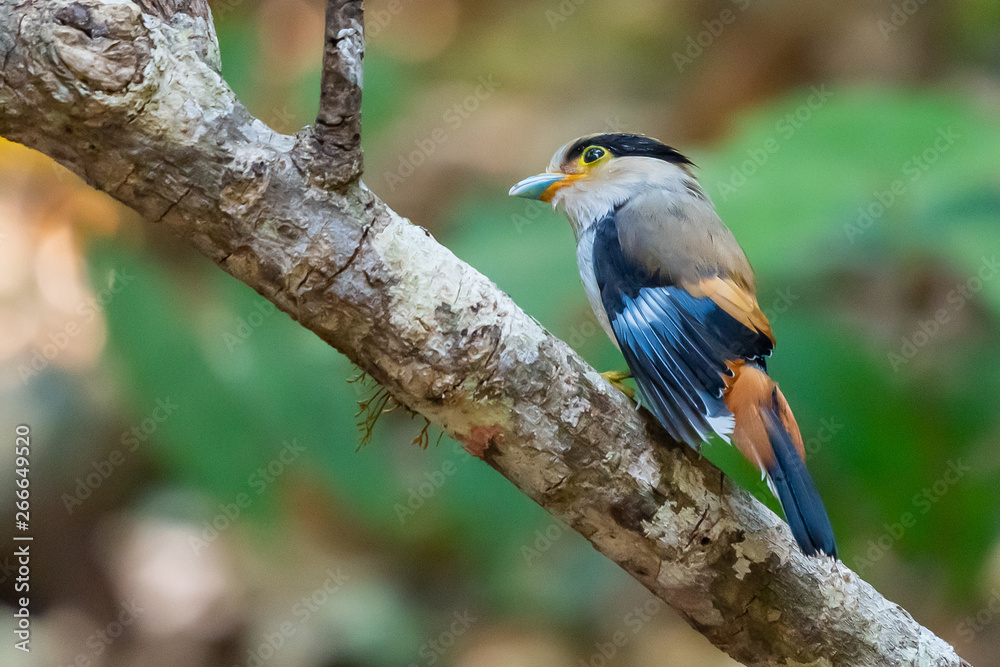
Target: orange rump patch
(748,393)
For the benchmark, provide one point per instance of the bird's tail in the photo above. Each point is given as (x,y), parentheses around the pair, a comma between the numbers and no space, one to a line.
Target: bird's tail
(767,434)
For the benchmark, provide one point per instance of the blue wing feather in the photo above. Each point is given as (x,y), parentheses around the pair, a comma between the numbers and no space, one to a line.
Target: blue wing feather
(675,344)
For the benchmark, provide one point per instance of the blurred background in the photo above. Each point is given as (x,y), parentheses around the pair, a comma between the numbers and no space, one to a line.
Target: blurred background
(199,493)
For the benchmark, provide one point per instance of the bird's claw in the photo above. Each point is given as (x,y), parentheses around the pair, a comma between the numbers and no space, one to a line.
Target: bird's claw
(615,378)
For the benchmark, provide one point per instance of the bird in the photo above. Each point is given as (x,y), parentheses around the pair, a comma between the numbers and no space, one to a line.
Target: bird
(675,292)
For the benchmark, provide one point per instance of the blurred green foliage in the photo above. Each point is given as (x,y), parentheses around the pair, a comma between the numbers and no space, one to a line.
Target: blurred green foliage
(249,379)
(844,293)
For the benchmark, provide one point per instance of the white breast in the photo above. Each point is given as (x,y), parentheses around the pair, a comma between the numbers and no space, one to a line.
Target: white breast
(585,260)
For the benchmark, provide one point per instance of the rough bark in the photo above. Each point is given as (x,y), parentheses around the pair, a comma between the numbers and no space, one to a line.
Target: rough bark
(338,124)
(128,95)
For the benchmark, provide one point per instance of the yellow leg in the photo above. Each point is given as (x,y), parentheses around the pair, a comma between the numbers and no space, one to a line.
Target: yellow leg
(615,378)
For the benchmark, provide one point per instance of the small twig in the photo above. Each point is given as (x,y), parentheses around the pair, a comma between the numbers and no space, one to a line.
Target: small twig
(337,133)
(423,439)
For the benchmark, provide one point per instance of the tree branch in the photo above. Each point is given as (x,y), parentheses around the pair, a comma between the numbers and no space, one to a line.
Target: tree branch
(129,97)
(337,132)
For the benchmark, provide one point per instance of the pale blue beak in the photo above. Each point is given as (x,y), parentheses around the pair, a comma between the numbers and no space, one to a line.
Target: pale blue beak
(535,187)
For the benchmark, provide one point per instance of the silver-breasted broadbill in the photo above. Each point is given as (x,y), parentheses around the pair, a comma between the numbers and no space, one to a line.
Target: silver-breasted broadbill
(675,292)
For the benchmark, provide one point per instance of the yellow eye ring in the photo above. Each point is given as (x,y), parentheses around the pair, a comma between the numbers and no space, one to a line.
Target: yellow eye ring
(592,154)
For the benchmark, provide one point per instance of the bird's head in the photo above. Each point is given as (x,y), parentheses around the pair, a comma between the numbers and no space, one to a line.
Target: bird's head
(591,176)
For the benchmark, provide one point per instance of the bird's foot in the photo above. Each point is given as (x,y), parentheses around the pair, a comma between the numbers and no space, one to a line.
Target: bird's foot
(615,378)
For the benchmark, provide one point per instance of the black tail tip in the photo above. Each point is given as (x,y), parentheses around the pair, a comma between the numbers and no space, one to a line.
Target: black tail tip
(805,515)
(799,499)
(804,510)
(809,546)
(794,487)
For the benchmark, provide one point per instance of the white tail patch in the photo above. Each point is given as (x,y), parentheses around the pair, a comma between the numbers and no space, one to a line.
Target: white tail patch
(770,484)
(723,426)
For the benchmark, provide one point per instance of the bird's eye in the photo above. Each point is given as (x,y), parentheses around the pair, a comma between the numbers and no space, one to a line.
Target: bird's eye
(593,154)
